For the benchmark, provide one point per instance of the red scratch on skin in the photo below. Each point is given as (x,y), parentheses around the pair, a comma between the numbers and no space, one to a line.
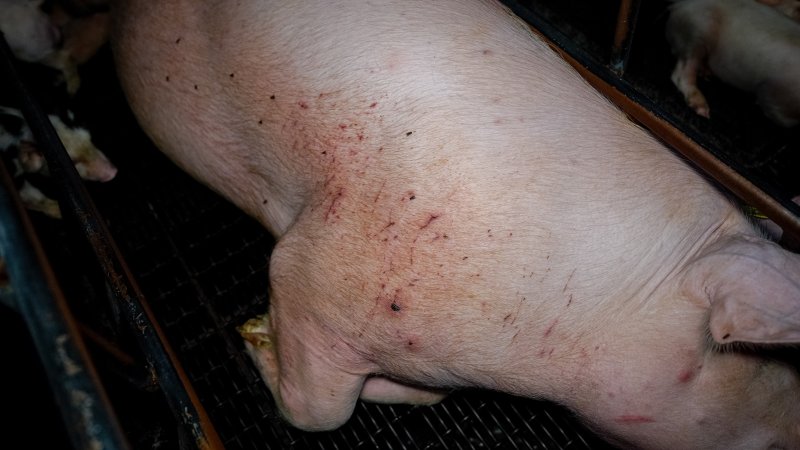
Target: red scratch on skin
(380,191)
(374,104)
(430,219)
(633,419)
(302,105)
(334,202)
(568,280)
(550,328)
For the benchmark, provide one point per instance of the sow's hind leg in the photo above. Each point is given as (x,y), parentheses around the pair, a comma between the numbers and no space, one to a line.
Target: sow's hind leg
(301,385)
(313,395)
(302,350)
(310,390)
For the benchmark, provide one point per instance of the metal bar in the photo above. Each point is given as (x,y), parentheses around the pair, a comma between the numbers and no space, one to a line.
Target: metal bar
(7,296)
(91,422)
(623,35)
(77,206)
(784,212)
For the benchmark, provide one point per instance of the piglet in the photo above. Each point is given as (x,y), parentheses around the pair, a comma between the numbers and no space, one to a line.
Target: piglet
(752,45)
(29,32)
(455,207)
(91,163)
(58,39)
(791,8)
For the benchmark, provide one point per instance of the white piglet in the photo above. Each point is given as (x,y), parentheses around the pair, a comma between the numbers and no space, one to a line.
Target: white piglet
(90,162)
(455,207)
(29,32)
(751,45)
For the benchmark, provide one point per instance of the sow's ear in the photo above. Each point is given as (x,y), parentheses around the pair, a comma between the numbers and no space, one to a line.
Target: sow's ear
(752,287)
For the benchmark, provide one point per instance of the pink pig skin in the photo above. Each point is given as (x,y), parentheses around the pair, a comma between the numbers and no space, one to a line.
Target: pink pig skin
(455,206)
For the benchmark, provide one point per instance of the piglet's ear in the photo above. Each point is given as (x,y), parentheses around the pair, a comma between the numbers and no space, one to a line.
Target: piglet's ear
(753,289)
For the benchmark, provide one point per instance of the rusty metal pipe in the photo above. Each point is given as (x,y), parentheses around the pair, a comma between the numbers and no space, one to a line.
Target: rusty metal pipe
(77,206)
(623,35)
(84,405)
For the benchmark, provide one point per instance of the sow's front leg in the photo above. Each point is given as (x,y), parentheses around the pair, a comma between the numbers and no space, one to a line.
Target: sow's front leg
(314,372)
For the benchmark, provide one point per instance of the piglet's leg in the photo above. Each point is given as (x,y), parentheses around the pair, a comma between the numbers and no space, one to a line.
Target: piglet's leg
(310,392)
(684,76)
(379,389)
(35,200)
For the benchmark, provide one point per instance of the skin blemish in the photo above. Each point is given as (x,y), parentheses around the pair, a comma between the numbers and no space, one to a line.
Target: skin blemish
(686,376)
(568,280)
(409,133)
(487,52)
(632,419)
(334,203)
(342,126)
(395,307)
(272,97)
(374,104)
(195,87)
(302,105)
(178,41)
(167,78)
(550,328)
(465,258)
(430,220)
(231,75)
(260,122)
(264,202)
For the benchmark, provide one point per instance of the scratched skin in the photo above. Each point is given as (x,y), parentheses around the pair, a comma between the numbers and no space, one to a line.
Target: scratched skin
(455,207)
